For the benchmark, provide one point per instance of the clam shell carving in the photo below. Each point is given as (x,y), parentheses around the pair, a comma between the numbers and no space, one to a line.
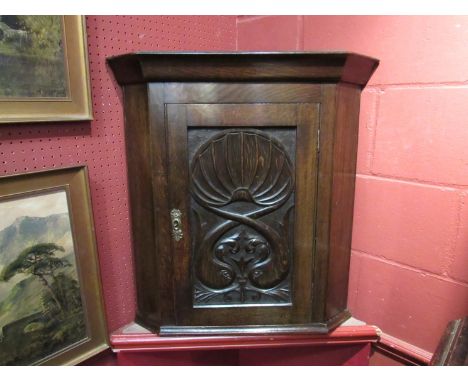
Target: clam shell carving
(241,166)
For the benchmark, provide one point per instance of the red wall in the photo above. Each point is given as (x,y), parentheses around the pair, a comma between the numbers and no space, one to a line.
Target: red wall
(409,268)
(100,143)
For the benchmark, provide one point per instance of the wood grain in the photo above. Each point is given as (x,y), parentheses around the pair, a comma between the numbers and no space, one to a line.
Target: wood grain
(138,145)
(225,67)
(176,105)
(342,197)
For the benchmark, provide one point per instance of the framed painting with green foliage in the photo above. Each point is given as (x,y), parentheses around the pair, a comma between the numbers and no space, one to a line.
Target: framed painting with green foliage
(51,308)
(43,69)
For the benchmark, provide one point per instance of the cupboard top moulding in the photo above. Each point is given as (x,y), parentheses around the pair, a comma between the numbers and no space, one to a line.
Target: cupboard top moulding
(315,67)
(241,179)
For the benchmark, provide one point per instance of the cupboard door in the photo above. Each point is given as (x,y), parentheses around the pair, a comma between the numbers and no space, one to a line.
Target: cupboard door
(243,181)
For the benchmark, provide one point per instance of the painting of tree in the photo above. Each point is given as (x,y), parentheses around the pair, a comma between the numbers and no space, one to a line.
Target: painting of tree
(40,261)
(41,307)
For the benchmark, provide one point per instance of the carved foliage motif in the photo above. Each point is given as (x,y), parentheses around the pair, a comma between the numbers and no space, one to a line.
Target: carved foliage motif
(242,184)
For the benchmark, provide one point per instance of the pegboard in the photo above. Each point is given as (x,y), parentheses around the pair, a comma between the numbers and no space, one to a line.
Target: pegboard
(100,144)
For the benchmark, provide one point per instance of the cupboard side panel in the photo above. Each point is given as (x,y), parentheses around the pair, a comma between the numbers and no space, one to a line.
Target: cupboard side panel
(163,282)
(324,186)
(138,148)
(344,174)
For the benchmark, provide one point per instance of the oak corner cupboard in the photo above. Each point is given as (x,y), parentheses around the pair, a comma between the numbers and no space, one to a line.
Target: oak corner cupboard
(241,179)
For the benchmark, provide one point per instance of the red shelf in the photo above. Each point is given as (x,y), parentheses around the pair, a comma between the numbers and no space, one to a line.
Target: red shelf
(133,337)
(349,344)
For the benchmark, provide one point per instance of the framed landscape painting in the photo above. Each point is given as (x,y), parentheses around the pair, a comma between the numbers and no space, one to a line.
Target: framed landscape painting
(51,309)
(43,69)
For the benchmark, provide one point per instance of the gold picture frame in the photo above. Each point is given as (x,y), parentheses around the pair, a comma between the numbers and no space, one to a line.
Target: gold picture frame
(76,104)
(51,307)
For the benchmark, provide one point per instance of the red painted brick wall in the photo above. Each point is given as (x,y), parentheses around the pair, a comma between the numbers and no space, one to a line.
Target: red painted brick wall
(100,143)
(409,268)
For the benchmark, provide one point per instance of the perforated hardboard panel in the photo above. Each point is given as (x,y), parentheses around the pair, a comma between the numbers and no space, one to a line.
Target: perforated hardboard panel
(100,144)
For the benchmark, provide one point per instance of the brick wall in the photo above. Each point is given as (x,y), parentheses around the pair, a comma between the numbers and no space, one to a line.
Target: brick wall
(409,267)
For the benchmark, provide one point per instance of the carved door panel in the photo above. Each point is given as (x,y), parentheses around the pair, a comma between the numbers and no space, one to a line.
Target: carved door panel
(243,181)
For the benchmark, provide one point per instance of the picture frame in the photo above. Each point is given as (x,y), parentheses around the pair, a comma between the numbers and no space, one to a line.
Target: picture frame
(51,304)
(24,63)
